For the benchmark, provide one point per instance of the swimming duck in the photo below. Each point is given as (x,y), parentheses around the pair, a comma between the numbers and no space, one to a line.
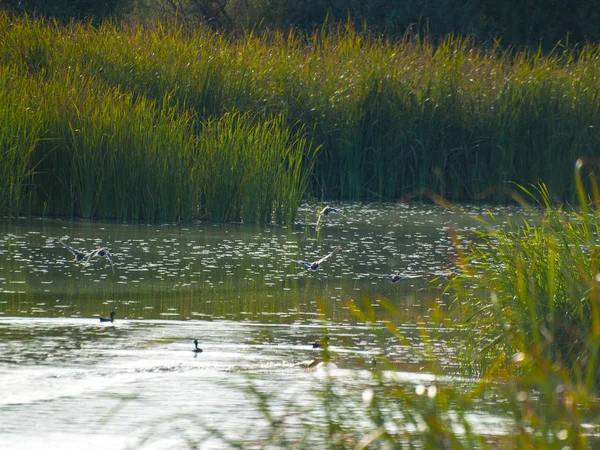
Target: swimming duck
(325,212)
(324,342)
(315,265)
(196,349)
(112,317)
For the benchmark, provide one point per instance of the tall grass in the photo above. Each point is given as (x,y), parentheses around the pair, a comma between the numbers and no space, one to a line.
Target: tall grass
(78,148)
(19,134)
(253,172)
(533,289)
(390,117)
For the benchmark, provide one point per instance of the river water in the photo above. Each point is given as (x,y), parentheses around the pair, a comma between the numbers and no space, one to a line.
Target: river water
(69,381)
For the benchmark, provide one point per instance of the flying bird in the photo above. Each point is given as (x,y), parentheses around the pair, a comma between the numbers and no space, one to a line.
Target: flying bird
(395,277)
(100,253)
(325,212)
(315,265)
(81,255)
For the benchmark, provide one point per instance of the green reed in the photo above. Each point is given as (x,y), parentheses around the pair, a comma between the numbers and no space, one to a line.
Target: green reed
(250,171)
(526,314)
(19,132)
(105,153)
(391,118)
(533,288)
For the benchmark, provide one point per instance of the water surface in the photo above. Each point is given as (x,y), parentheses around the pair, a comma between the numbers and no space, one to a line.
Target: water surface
(68,379)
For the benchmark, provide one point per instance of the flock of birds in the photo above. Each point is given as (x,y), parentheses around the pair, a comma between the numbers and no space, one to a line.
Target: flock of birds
(315,265)
(83,256)
(86,256)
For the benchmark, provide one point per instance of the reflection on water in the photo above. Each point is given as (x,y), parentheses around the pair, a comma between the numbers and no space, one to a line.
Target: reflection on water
(76,380)
(69,378)
(229,271)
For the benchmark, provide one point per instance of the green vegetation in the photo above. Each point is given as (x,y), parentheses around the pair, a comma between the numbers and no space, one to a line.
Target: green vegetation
(513,22)
(534,289)
(121,119)
(75,145)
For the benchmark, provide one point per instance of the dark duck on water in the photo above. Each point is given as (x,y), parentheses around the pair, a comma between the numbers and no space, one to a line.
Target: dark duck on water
(196,348)
(395,277)
(106,319)
(322,343)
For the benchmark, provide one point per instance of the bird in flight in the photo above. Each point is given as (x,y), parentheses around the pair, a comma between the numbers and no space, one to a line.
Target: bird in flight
(395,277)
(325,212)
(315,265)
(86,256)
(100,253)
(79,255)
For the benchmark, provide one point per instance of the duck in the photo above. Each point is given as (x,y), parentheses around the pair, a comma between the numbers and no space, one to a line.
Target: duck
(395,277)
(324,342)
(79,255)
(106,319)
(325,212)
(100,253)
(317,264)
(196,348)
(86,256)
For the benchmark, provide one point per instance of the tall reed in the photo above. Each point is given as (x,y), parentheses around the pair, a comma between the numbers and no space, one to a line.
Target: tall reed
(77,147)
(532,289)
(250,171)
(390,118)
(20,131)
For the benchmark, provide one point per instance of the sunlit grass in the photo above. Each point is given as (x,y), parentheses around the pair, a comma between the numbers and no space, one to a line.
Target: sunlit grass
(390,118)
(250,171)
(533,288)
(75,147)
(19,134)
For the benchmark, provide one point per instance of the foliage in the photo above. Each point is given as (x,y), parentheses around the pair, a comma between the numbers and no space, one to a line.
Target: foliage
(19,135)
(533,23)
(533,289)
(527,309)
(75,147)
(67,10)
(391,118)
(533,402)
